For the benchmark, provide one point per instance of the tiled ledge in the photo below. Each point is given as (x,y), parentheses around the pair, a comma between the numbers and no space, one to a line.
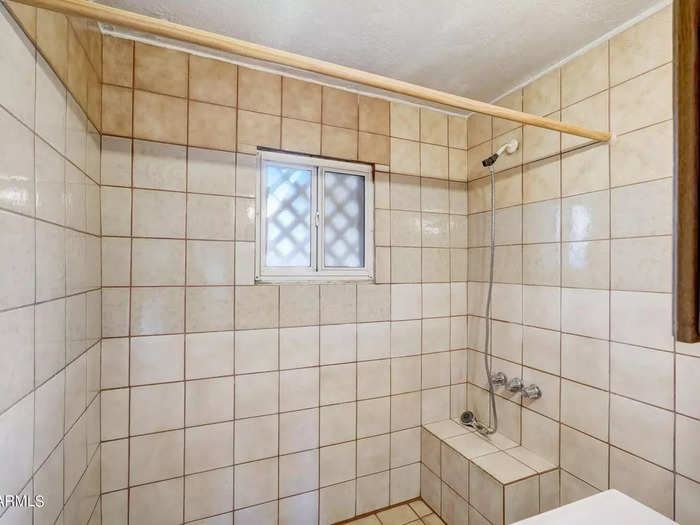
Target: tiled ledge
(492,480)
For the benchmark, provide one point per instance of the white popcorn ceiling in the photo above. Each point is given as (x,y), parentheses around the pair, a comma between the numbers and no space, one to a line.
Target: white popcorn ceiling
(475,48)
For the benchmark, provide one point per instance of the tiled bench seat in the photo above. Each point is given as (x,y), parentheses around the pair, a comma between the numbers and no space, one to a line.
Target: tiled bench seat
(474,479)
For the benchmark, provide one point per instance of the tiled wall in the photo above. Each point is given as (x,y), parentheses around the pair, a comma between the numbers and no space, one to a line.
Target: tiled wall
(50,297)
(582,300)
(291,403)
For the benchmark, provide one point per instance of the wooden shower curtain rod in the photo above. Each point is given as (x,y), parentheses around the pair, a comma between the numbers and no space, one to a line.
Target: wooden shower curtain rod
(123,18)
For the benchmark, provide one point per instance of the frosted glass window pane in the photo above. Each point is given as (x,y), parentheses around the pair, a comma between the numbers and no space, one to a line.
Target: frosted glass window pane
(344,220)
(288,225)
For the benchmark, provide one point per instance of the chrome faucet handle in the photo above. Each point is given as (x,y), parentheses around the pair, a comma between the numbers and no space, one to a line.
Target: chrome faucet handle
(532,392)
(499,378)
(514,385)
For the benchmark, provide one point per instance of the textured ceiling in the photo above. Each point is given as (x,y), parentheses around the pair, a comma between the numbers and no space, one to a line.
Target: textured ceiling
(474,48)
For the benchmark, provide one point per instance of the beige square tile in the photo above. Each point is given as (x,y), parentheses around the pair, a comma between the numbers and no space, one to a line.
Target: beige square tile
(541,180)
(156,456)
(643,481)
(373,455)
(373,379)
(160,70)
(405,121)
(169,496)
(433,127)
(433,161)
(406,228)
(337,502)
(158,166)
(156,213)
(255,482)
(17,184)
(208,493)
(591,112)
(18,90)
(457,131)
(629,109)
(484,492)
(641,264)
(642,209)
(299,430)
(405,338)
(302,136)
(642,155)
(52,39)
(687,499)
(372,303)
(299,305)
(337,463)
(521,500)
(257,307)
(213,81)
(405,301)
(210,171)
(457,164)
(259,91)
(338,383)
(339,142)
(338,303)
(633,369)
(539,143)
(541,264)
(299,347)
(585,312)
(509,188)
(585,409)
(158,262)
(585,75)
(209,401)
(208,354)
(479,129)
(687,461)
(257,394)
(49,174)
(586,216)
(337,423)
(585,457)
(406,192)
(340,108)
(117,109)
(211,126)
(585,170)
(210,217)
(405,156)
(686,398)
(373,340)
(301,100)
(160,117)
(209,308)
(257,129)
(374,115)
(255,438)
(299,389)
(372,492)
(155,408)
(302,507)
(435,230)
(641,318)
(586,264)
(513,101)
(585,360)
(210,263)
(157,310)
(156,359)
(256,351)
(630,430)
(298,473)
(644,46)
(338,343)
(542,96)
(374,148)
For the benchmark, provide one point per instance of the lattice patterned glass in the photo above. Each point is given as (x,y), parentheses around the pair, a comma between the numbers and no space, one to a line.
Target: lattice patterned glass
(288,225)
(344,220)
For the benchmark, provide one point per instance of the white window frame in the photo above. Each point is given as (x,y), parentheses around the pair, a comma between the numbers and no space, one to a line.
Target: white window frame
(317,272)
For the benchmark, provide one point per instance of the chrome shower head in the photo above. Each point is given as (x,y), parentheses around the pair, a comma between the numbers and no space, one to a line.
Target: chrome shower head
(509,147)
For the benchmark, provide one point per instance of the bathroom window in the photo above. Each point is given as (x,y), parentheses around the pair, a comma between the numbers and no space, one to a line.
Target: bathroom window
(314,219)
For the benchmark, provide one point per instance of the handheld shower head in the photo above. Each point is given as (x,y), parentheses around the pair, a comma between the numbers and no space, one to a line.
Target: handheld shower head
(509,147)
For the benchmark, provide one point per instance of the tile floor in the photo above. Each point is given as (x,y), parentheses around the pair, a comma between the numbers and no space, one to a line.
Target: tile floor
(413,513)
